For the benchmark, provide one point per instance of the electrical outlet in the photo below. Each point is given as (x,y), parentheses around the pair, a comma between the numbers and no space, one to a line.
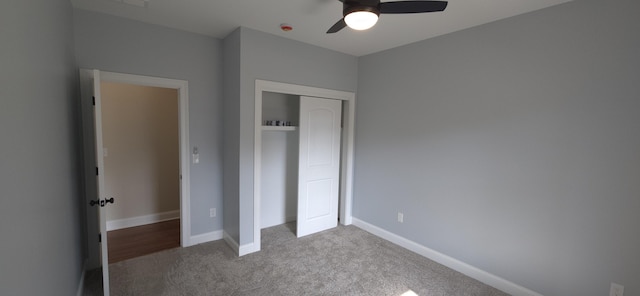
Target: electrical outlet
(212,212)
(616,290)
(400,217)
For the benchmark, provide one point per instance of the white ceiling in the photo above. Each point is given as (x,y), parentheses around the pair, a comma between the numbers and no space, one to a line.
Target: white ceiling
(312,18)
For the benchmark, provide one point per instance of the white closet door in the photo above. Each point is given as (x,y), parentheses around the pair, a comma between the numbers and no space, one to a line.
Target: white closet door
(319,165)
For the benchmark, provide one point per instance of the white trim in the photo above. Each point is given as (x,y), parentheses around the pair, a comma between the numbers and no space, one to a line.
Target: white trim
(206,237)
(248,249)
(346,170)
(230,241)
(240,250)
(142,220)
(455,264)
(185,169)
(142,80)
(286,220)
(185,153)
(257,166)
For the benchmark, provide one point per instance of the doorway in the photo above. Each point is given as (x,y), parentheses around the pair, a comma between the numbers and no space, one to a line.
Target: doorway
(93,161)
(346,150)
(140,133)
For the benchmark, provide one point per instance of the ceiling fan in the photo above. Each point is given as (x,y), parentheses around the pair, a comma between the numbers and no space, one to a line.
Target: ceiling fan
(363,14)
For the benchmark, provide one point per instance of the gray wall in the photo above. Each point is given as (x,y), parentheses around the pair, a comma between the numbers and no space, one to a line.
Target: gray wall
(269,57)
(41,250)
(512,146)
(231,89)
(120,45)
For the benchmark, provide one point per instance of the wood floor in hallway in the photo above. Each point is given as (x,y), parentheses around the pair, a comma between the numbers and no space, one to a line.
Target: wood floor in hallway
(137,241)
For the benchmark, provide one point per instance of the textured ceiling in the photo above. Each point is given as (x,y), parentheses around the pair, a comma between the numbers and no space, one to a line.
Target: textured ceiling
(311,19)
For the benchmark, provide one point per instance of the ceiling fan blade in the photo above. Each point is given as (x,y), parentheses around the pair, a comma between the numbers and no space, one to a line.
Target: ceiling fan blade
(337,26)
(412,6)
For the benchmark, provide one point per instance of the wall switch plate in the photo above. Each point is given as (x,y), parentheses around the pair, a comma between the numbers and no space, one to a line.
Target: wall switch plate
(196,155)
(400,217)
(212,212)
(616,290)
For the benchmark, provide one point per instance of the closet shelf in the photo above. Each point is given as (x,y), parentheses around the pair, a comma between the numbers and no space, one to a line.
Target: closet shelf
(279,128)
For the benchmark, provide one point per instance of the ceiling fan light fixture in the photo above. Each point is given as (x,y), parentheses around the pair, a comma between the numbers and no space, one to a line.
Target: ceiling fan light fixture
(363,14)
(361,19)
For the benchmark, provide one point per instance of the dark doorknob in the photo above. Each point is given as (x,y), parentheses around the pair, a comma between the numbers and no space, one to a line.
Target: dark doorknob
(105,201)
(102,202)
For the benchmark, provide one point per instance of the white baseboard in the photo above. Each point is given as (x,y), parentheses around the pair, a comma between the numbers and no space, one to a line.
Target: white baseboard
(279,222)
(455,264)
(240,250)
(205,237)
(142,220)
(248,249)
(231,242)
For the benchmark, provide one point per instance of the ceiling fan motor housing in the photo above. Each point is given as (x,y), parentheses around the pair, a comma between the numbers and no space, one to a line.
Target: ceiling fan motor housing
(362,5)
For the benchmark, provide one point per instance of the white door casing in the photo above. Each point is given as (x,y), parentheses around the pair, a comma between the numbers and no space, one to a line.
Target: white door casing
(348,100)
(92,133)
(182,87)
(319,164)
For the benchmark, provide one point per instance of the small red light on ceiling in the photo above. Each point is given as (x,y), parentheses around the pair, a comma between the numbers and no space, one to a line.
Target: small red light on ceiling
(286,27)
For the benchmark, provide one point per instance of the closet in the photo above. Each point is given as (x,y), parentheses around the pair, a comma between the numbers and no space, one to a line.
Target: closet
(279,188)
(300,169)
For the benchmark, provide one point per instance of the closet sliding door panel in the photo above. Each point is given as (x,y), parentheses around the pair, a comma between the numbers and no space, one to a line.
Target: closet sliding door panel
(319,164)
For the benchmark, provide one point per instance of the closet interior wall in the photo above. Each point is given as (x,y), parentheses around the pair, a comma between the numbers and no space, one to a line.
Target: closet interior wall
(279,188)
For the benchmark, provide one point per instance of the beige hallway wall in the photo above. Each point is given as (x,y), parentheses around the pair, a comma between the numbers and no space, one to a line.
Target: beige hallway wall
(140,133)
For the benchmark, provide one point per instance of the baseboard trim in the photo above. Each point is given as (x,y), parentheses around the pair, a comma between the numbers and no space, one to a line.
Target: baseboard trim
(205,237)
(80,290)
(240,250)
(279,222)
(231,242)
(248,249)
(455,264)
(142,220)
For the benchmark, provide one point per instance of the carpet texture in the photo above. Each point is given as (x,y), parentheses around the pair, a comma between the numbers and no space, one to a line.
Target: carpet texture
(341,261)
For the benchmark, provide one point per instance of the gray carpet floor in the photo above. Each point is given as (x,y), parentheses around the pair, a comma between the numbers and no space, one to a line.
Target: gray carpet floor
(341,261)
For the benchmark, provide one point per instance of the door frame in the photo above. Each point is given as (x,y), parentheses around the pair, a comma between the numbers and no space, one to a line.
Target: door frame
(183,120)
(347,147)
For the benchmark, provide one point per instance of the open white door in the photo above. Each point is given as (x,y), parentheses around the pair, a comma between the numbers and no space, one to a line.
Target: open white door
(319,165)
(103,201)
(90,88)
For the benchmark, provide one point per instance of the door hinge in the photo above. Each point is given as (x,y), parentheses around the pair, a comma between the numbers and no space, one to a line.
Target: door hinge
(96,171)
(94,100)
(99,237)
